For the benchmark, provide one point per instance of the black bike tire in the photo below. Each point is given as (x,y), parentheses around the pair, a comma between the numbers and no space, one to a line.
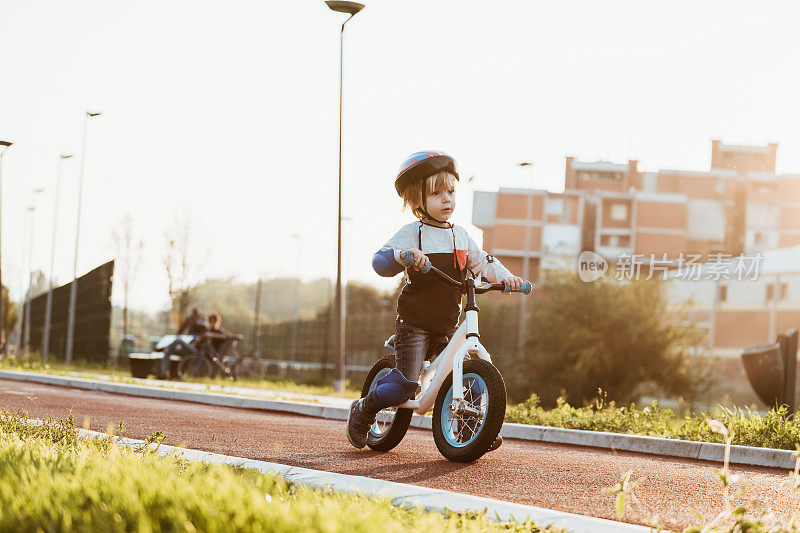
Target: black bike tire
(402,418)
(494,416)
(182,365)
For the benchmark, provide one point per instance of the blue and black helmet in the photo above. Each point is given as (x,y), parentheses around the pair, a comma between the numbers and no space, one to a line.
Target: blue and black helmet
(421,165)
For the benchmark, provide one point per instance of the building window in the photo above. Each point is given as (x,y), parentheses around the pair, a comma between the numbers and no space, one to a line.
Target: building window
(555,206)
(722,293)
(615,240)
(784,291)
(619,212)
(600,176)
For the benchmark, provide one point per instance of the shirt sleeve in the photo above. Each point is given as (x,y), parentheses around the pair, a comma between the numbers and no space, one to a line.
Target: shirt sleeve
(485,265)
(386,261)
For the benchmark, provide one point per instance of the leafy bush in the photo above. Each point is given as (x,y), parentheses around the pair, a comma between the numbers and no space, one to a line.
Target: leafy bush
(773,430)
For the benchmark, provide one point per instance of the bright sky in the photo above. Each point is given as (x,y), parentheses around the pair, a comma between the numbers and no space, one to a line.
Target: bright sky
(226,113)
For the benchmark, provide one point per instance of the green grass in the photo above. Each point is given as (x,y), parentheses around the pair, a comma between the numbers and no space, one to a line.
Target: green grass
(33,363)
(773,430)
(50,480)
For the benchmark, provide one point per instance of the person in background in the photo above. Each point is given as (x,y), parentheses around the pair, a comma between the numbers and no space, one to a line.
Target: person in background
(221,339)
(195,323)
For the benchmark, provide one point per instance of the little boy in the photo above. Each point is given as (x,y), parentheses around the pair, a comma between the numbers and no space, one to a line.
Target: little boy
(426,183)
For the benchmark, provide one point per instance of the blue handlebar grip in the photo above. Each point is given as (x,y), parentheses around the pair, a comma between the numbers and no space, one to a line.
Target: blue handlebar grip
(407,260)
(525,288)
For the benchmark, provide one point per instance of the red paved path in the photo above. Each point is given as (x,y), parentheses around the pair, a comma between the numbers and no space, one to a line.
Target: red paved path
(567,478)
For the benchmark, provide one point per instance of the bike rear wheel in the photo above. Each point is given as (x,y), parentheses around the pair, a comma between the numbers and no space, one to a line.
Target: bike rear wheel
(195,366)
(391,423)
(467,432)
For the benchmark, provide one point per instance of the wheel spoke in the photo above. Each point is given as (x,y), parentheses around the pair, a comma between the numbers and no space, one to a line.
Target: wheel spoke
(468,415)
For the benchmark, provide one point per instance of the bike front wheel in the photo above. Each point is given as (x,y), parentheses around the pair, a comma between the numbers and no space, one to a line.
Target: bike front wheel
(195,366)
(464,432)
(391,423)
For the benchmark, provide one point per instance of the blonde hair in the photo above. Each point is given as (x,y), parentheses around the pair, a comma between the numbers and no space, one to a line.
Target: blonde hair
(412,194)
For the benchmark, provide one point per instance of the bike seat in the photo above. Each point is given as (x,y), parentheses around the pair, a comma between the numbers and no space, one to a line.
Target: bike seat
(436,344)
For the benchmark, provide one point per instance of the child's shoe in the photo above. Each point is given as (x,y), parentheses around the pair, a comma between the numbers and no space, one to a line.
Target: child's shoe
(359,420)
(496,444)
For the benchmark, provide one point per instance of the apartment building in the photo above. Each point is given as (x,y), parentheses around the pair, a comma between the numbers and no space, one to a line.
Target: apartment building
(739,205)
(742,301)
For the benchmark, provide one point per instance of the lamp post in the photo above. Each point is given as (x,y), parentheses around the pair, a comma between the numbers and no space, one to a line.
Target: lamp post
(27,244)
(49,310)
(296,238)
(523,310)
(30,274)
(73,289)
(4,145)
(338,382)
(21,305)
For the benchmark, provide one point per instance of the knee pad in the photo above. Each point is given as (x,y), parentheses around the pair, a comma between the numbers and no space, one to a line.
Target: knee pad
(393,389)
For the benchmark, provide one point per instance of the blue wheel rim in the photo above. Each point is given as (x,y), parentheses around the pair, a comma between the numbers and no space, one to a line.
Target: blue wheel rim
(460,430)
(385,418)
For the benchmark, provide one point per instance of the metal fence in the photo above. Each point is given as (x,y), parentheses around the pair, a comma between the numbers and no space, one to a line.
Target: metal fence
(310,341)
(92,316)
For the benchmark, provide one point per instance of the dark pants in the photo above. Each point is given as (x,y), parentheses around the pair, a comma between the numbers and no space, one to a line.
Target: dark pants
(223,347)
(411,347)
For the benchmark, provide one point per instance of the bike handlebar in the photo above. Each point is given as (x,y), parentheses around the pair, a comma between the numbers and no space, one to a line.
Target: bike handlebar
(407,260)
(525,288)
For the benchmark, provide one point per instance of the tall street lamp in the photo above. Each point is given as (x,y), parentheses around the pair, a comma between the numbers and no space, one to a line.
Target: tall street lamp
(36,191)
(21,305)
(523,310)
(49,310)
(338,382)
(4,145)
(296,238)
(27,245)
(74,286)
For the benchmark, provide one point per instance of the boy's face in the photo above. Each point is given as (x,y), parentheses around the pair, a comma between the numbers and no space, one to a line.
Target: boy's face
(441,202)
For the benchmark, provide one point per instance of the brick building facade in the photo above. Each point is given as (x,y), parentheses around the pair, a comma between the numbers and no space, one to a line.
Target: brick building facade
(740,205)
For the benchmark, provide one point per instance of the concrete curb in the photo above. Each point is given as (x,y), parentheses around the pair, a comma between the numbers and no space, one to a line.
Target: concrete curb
(744,455)
(432,500)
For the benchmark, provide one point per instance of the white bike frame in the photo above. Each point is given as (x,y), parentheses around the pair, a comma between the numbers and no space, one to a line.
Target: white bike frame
(465,341)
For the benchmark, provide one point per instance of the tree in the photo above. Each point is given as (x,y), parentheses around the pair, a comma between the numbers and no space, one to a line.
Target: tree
(9,318)
(610,335)
(181,265)
(128,250)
